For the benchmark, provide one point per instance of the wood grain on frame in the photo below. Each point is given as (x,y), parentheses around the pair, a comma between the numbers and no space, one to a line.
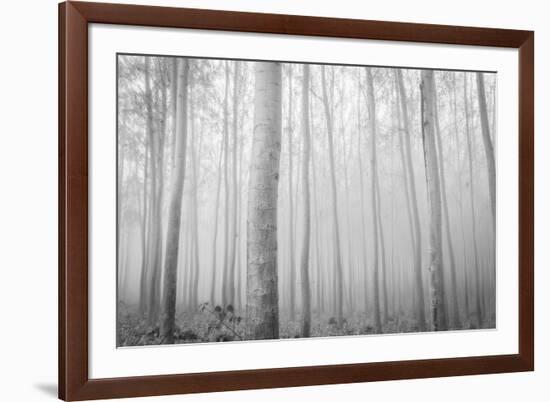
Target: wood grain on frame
(74,382)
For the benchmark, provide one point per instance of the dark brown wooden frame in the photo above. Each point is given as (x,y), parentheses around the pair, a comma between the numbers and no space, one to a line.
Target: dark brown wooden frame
(74,17)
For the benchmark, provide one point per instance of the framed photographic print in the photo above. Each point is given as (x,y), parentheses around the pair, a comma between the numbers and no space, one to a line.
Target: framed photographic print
(258,200)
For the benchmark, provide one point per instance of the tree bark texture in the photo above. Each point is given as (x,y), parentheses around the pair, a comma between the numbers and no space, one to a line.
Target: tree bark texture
(262,293)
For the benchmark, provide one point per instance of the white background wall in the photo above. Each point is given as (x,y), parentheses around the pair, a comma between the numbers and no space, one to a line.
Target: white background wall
(28,201)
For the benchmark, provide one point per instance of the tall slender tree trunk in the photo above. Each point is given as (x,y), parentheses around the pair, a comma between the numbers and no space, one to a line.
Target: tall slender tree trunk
(190,254)
(157,161)
(304,263)
(120,185)
(215,236)
(123,264)
(487,143)
(362,193)
(262,293)
(439,315)
(400,293)
(292,252)
(382,248)
(406,188)
(238,258)
(187,259)
(144,229)
(374,205)
(233,246)
(452,261)
(347,156)
(174,111)
(318,259)
(196,161)
(297,192)
(491,174)
(336,225)
(392,270)
(155,232)
(406,184)
(239,236)
(418,284)
(225,283)
(174,212)
(162,134)
(460,202)
(479,310)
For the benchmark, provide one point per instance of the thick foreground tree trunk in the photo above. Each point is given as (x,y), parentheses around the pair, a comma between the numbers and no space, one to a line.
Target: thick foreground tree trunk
(174,212)
(439,315)
(262,294)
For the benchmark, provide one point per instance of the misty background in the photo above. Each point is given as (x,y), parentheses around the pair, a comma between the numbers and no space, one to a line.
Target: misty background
(369,248)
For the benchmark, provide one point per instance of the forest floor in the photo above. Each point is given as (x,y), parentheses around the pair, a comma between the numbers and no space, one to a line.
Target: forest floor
(218,324)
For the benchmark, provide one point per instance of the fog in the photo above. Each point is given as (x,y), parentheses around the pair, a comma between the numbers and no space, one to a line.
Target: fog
(369,264)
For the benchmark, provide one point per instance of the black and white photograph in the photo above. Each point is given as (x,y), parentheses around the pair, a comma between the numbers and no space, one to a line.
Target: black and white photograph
(302,201)
(265,200)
